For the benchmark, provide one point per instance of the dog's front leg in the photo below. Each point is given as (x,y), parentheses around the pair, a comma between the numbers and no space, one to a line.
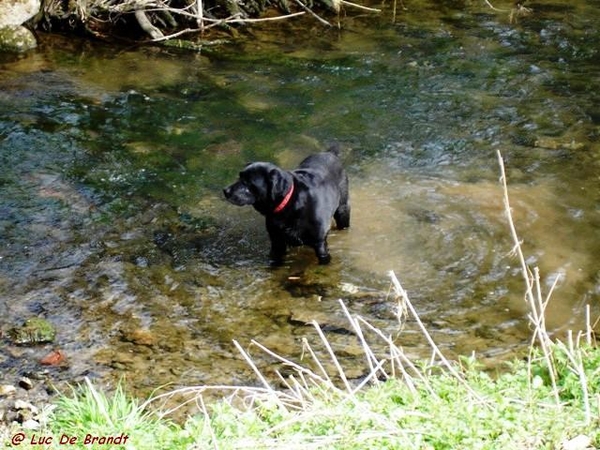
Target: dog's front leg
(278,251)
(322,252)
(278,245)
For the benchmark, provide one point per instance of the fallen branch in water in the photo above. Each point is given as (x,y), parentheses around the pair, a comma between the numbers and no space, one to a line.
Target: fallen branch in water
(356,5)
(312,13)
(519,10)
(220,22)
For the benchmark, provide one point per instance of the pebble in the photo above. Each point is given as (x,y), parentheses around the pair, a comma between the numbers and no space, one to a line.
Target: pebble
(26,383)
(17,404)
(7,389)
(21,404)
(31,424)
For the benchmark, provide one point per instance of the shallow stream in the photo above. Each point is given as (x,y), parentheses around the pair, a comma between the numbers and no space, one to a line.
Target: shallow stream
(113,226)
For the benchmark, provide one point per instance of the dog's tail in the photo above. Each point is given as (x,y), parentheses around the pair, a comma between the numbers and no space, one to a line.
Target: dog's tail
(335,148)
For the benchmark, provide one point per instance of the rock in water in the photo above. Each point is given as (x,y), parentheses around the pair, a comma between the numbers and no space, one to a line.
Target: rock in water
(34,331)
(13,14)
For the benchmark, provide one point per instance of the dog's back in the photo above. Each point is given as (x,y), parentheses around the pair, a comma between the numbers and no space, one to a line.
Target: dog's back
(328,162)
(325,169)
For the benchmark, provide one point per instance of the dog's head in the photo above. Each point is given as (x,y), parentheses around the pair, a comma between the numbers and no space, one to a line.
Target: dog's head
(260,184)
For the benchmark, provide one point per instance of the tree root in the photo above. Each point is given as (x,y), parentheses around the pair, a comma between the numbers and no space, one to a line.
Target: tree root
(162,20)
(146,25)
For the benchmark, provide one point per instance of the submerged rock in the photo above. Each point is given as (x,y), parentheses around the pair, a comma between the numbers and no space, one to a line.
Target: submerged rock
(54,358)
(25,383)
(7,389)
(34,331)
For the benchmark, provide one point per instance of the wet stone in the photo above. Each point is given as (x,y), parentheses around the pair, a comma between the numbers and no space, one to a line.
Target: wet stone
(280,343)
(354,373)
(16,39)
(38,374)
(7,389)
(141,261)
(31,424)
(26,383)
(326,322)
(54,358)
(21,405)
(139,336)
(352,349)
(122,361)
(34,331)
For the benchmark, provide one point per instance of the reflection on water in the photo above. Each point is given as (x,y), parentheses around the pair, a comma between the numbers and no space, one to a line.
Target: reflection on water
(112,224)
(464,226)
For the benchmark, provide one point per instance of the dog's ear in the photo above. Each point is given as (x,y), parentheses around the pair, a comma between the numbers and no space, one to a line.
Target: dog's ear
(275,178)
(278,182)
(274,173)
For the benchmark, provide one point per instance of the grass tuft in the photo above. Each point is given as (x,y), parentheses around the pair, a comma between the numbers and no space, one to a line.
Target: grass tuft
(87,413)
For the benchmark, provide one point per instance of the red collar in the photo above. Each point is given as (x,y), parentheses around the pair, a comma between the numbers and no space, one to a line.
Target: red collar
(285,200)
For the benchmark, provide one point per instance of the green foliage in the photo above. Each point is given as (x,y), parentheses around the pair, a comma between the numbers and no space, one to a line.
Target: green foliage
(477,410)
(565,364)
(89,412)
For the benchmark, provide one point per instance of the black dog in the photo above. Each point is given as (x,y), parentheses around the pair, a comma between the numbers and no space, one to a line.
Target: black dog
(298,205)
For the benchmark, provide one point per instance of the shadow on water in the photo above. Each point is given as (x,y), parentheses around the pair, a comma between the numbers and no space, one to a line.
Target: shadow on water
(112,224)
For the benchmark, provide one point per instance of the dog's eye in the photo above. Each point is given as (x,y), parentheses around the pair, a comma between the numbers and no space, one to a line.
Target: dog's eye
(246,185)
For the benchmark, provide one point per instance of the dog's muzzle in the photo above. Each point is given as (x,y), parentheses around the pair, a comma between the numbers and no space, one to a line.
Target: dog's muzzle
(238,194)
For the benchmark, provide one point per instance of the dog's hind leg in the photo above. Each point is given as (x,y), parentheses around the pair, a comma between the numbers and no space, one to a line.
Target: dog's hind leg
(342,213)
(342,216)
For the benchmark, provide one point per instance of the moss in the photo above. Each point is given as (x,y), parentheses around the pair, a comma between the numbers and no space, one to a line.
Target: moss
(16,39)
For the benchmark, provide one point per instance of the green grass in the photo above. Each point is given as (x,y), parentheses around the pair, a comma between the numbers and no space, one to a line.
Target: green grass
(99,420)
(467,408)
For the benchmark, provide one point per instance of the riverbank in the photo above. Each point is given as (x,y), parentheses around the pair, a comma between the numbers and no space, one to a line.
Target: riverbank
(547,400)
